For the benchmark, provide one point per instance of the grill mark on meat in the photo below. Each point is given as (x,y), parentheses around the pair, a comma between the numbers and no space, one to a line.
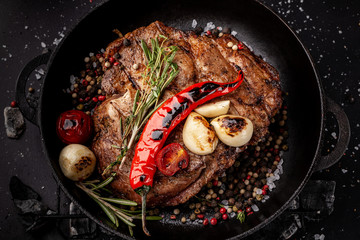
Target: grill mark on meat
(200,58)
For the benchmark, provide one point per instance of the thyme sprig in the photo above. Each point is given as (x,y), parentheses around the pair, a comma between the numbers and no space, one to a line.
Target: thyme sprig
(109,205)
(158,74)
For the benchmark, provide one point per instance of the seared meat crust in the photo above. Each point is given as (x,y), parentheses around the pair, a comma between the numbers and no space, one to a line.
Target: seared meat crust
(200,58)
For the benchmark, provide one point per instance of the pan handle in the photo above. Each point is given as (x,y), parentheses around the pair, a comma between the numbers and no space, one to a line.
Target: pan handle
(30,112)
(343,139)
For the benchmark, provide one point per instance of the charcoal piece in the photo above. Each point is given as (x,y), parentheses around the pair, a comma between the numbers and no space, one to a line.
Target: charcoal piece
(283,227)
(318,196)
(30,206)
(30,209)
(80,226)
(21,191)
(14,122)
(290,231)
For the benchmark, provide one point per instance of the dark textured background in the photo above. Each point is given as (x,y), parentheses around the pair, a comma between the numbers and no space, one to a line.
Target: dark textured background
(329,29)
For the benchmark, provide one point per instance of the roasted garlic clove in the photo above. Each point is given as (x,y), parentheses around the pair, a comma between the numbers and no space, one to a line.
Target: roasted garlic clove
(77,162)
(233,130)
(213,109)
(198,135)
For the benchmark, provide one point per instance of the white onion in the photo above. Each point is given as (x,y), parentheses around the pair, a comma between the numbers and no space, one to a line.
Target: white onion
(198,136)
(77,162)
(233,130)
(213,109)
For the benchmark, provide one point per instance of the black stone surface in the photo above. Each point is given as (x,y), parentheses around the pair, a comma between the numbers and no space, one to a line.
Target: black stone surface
(329,29)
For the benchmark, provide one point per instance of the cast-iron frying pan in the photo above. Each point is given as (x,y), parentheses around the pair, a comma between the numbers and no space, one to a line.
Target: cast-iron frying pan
(259,28)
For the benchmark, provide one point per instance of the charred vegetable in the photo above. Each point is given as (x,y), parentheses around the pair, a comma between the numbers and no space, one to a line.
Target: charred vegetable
(77,162)
(198,136)
(171,159)
(213,109)
(74,126)
(233,130)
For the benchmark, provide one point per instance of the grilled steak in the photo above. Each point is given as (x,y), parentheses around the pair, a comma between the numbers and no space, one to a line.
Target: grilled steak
(200,58)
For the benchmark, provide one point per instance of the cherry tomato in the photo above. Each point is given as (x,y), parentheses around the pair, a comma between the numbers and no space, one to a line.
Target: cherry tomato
(74,127)
(171,159)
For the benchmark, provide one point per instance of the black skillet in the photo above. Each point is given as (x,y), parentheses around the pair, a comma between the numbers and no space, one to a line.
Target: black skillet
(259,28)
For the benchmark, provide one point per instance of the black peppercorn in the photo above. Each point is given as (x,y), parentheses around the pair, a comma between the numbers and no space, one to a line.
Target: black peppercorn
(126,42)
(198,30)
(116,55)
(226,30)
(215,32)
(247,194)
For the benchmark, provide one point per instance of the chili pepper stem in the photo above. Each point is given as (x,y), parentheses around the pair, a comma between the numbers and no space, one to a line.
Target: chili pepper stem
(143,212)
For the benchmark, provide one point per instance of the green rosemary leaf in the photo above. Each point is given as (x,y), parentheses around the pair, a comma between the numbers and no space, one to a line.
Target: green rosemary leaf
(105,182)
(146,50)
(131,231)
(150,218)
(136,99)
(120,201)
(115,146)
(162,36)
(106,210)
(127,222)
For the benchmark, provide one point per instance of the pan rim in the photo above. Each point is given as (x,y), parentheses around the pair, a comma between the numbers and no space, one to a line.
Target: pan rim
(245,233)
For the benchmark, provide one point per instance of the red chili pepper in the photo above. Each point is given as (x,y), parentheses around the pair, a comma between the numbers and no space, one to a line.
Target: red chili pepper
(164,120)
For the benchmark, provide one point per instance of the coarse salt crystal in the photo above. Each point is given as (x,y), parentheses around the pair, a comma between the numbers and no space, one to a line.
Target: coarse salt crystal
(258,191)
(72,79)
(40,71)
(209,26)
(194,24)
(37,76)
(344,170)
(277,177)
(281,162)
(43,45)
(234,33)
(225,202)
(255,208)
(91,54)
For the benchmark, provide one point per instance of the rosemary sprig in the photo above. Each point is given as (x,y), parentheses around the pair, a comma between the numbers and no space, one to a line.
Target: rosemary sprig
(106,204)
(159,73)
